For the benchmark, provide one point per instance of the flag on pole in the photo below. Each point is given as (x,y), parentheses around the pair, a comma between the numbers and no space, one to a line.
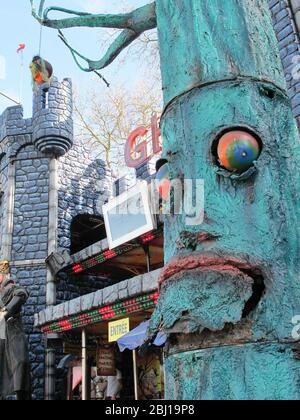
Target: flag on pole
(21,48)
(20,52)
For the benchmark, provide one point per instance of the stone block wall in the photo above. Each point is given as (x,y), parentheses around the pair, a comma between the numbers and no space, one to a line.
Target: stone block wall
(30,247)
(26,243)
(30,232)
(287,35)
(85,184)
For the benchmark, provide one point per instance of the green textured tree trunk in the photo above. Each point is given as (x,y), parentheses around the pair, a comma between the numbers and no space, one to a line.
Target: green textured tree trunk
(230,290)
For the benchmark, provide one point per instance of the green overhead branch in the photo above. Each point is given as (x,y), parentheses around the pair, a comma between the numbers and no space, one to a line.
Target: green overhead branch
(133,25)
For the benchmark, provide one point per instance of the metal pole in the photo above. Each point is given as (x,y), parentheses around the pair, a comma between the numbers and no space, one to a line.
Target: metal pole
(135,373)
(50,375)
(9,98)
(21,76)
(84,367)
(148,257)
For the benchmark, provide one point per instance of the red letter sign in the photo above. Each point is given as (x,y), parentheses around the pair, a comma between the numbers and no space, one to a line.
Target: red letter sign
(131,148)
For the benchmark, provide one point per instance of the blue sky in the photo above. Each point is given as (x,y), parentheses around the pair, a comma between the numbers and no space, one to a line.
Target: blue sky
(17,26)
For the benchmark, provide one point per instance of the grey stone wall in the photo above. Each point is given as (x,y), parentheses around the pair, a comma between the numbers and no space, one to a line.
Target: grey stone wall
(30,233)
(286,33)
(12,123)
(85,184)
(30,242)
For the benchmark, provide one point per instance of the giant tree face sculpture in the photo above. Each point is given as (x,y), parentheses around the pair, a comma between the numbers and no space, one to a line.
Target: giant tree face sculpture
(233,279)
(243,258)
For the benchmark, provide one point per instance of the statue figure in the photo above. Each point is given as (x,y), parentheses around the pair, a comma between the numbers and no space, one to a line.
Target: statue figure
(230,289)
(14,356)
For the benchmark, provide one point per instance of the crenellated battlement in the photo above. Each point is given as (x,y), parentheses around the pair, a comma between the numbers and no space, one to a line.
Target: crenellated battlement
(12,123)
(51,125)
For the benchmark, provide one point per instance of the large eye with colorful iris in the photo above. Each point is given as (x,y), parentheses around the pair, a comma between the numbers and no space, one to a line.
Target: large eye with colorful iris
(162,179)
(238,150)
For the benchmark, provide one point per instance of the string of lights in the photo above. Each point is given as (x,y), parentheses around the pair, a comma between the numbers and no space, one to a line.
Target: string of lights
(103,314)
(100,258)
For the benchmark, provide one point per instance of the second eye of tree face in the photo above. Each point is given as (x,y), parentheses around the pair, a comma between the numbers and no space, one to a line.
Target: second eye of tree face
(163,181)
(238,150)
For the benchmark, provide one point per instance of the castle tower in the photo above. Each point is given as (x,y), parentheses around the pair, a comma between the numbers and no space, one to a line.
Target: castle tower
(25,222)
(46,182)
(52,118)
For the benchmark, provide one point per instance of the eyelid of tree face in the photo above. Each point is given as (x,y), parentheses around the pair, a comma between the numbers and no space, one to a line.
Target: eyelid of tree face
(234,176)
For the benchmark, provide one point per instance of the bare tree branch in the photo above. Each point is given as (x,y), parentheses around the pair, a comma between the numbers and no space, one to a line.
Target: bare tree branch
(122,41)
(106,121)
(134,24)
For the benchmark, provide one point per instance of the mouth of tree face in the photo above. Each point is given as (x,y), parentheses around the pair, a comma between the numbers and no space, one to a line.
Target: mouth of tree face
(258,287)
(209,297)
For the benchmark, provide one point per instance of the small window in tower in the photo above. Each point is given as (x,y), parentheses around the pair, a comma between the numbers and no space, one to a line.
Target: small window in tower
(45,98)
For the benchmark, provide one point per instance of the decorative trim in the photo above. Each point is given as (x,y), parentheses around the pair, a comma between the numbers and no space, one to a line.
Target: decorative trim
(27,263)
(105,313)
(19,145)
(100,258)
(57,145)
(9,226)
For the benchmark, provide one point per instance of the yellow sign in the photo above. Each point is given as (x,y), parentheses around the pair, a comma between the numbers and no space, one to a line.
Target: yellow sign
(117,329)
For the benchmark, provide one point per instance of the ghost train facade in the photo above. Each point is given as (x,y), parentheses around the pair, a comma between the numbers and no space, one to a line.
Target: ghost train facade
(253,329)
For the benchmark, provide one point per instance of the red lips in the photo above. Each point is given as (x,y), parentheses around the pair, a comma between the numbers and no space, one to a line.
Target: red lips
(204,263)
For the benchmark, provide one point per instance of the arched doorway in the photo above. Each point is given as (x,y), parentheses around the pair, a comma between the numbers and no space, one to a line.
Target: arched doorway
(85,231)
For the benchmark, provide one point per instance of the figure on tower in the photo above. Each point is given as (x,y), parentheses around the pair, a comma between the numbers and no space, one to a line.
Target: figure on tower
(41,70)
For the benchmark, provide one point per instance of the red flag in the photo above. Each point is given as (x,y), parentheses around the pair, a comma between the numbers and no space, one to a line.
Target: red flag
(21,48)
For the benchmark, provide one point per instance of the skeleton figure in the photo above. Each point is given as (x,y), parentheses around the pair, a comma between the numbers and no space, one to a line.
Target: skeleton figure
(230,289)
(4,267)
